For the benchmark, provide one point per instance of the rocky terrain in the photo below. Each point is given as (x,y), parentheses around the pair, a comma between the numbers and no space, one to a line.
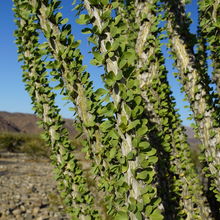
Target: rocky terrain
(28,189)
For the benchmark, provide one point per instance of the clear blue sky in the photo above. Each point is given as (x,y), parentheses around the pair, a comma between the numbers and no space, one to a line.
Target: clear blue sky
(14,98)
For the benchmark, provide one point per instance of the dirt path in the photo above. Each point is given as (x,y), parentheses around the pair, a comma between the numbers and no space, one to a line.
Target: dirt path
(28,189)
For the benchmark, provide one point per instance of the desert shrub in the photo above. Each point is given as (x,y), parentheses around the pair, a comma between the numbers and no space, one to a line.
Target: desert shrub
(11,141)
(35,147)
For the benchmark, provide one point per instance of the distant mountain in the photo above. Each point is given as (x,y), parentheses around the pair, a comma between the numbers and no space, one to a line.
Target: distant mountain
(6,126)
(26,123)
(191,138)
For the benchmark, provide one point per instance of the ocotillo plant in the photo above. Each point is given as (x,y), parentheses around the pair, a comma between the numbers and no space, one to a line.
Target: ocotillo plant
(140,161)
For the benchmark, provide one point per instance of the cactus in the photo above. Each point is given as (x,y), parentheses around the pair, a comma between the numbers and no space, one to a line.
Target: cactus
(140,161)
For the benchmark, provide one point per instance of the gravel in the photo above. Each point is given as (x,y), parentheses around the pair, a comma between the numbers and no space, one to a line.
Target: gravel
(28,189)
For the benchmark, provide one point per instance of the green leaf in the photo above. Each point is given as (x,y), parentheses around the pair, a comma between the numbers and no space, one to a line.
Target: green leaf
(124,120)
(124,168)
(144,164)
(132,125)
(110,54)
(142,175)
(142,131)
(114,143)
(113,134)
(101,92)
(92,39)
(106,15)
(105,125)
(122,63)
(127,110)
(104,2)
(138,216)
(131,155)
(137,111)
(152,152)
(132,205)
(115,45)
(117,19)
(121,216)
(140,206)
(43,45)
(137,100)
(86,31)
(144,145)
(146,198)
(118,76)
(58,16)
(64,21)
(112,153)
(217,197)
(95,62)
(94,2)
(115,5)
(99,57)
(153,159)
(156,215)
(108,46)
(149,210)
(110,79)
(135,142)
(83,19)
(89,123)
(125,59)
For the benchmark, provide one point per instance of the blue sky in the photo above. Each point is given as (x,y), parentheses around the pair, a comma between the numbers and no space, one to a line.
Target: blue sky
(14,98)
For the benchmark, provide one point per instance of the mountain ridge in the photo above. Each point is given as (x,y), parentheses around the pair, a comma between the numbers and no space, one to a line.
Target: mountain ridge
(26,123)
